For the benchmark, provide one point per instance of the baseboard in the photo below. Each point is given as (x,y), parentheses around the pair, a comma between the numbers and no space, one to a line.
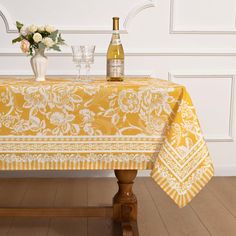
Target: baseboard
(219,171)
(225,170)
(63,174)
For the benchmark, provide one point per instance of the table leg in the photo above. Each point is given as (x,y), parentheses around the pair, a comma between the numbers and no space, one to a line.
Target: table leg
(125,202)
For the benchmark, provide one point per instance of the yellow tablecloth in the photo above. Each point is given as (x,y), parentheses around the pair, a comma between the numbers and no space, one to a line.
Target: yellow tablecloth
(141,123)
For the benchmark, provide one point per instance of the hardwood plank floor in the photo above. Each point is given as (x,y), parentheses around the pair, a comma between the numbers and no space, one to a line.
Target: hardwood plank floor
(225,192)
(5,225)
(215,216)
(70,193)
(68,227)
(12,192)
(150,222)
(212,212)
(29,227)
(178,221)
(100,193)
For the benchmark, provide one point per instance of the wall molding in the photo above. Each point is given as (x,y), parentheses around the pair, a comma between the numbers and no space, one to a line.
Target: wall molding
(219,171)
(135,52)
(52,73)
(136,10)
(7,19)
(174,29)
(229,137)
(130,15)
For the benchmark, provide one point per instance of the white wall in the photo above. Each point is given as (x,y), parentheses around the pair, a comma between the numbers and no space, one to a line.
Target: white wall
(192,42)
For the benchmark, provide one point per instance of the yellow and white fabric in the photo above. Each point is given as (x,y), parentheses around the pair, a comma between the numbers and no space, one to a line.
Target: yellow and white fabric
(140,123)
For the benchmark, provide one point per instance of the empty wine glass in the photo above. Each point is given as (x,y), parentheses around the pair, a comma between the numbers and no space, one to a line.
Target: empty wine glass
(77,59)
(87,58)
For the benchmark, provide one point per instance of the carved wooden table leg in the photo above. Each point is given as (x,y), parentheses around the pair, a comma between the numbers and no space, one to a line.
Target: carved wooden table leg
(125,202)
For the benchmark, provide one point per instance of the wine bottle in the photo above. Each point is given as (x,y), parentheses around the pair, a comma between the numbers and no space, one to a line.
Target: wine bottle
(115,55)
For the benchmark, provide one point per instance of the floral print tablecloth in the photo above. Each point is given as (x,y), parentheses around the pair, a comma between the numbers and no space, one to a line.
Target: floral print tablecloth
(141,123)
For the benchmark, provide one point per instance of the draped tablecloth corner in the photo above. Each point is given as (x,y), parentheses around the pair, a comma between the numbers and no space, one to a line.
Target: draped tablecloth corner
(183,166)
(141,123)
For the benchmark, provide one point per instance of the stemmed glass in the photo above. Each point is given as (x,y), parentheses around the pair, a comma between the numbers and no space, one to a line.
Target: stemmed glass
(88,57)
(83,55)
(77,59)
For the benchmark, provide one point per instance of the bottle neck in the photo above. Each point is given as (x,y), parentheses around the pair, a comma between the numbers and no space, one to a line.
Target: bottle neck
(115,39)
(115,23)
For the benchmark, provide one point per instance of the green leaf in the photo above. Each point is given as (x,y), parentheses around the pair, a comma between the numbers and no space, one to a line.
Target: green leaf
(17,39)
(53,35)
(31,51)
(30,39)
(41,46)
(19,25)
(56,48)
(60,40)
(44,34)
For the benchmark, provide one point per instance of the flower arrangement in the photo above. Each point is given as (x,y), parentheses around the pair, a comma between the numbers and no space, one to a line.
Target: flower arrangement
(35,37)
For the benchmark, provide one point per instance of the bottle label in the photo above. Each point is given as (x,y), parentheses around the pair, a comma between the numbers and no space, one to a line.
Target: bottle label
(116,41)
(115,68)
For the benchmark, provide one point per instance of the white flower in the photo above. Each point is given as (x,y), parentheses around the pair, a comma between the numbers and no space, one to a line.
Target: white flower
(48,42)
(36,97)
(129,101)
(88,115)
(62,121)
(24,30)
(88,129)
(50,28)
(41,28)
(58,118)
(32,28)
(37,37)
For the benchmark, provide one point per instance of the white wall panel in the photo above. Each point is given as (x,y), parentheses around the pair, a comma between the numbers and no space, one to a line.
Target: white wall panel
(192,42)
(205,14)
(215,90)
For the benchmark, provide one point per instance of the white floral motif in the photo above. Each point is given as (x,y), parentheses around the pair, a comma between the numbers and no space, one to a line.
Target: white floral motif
(62,122)
(155,107)
(6,97)
(36,98)
(88,118)
(156,99)
(129,101)
(21,126)
(90,89)
(157,124)
(7,121)
(65,97)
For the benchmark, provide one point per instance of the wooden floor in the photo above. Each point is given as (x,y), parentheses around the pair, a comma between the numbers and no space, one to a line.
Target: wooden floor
(212,212)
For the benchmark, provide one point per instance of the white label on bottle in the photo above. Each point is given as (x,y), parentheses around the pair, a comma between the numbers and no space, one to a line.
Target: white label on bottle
(116,42)
(115,68)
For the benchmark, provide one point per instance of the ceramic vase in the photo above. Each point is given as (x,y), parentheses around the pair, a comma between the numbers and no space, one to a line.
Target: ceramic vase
(39,63)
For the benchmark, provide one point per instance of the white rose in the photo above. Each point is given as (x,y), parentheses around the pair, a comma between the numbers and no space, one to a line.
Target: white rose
(48,42)
(41,28)
(24,30)
(37,37)
(32,28)
(50,28)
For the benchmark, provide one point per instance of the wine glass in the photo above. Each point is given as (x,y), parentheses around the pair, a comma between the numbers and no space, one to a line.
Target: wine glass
(87,58)
(77,59)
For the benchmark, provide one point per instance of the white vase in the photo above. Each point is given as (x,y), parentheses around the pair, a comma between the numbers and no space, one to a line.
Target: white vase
(39,63)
